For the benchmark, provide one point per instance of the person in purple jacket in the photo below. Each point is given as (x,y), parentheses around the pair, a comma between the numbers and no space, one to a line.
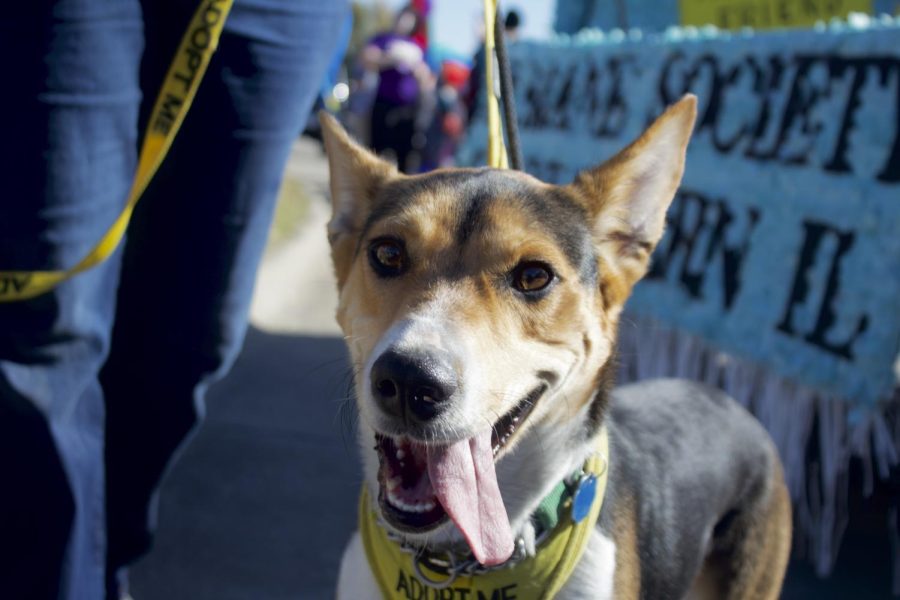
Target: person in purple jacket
(403,77)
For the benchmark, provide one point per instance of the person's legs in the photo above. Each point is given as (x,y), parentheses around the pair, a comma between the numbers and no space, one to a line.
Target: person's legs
(196,240)
(403,130)
(379,131)
(67,153)
(392,130)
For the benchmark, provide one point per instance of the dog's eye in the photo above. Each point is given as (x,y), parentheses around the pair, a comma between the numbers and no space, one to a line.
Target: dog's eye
(387,256)
(531,277)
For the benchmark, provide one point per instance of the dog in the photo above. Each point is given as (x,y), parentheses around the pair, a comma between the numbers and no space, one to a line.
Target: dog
(480,307)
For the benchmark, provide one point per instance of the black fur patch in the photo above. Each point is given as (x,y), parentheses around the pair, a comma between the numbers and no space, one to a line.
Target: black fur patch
(603,385)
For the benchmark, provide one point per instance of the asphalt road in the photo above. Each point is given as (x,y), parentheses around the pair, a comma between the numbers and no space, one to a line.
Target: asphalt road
(261,502)
(263,498)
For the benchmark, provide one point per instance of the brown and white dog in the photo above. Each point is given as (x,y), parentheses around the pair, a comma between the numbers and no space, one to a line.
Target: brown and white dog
(480,307)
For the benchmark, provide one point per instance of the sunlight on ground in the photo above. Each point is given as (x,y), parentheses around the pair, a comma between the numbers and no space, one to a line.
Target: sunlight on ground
(295,290)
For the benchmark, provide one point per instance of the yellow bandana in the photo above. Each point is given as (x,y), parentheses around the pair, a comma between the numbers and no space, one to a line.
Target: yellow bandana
(540,576)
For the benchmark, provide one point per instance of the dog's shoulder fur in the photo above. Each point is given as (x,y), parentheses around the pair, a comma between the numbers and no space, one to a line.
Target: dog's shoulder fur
(693,479)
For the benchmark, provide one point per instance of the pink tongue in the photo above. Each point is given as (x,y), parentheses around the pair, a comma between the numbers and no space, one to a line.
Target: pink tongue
(465,483)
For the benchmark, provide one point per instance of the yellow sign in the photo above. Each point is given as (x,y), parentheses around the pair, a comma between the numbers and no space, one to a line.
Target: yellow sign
(767,14)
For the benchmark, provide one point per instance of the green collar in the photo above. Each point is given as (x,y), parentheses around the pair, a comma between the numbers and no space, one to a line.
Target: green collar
(553,507)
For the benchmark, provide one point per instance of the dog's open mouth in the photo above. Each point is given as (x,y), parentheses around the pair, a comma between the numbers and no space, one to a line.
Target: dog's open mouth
(406,496)
(420,484)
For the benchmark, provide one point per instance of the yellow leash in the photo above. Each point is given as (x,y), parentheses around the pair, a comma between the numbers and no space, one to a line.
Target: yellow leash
(496,149)
(172,103)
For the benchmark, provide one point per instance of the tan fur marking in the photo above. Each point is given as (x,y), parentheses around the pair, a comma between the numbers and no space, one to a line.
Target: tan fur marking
(764,557)
(752,566)
(627,579)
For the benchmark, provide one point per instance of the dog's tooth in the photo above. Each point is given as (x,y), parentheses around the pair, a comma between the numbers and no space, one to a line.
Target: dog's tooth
(423,507)
(394,499)
(400,454)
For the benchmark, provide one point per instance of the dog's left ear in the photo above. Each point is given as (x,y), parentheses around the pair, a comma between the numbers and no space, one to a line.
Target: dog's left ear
(627,198)
(357,175)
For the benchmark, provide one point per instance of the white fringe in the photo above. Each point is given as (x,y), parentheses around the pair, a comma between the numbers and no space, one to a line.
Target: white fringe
(788,411)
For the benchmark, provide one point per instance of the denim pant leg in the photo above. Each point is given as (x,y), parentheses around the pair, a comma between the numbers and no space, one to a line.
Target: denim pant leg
(196,240)
(70,110)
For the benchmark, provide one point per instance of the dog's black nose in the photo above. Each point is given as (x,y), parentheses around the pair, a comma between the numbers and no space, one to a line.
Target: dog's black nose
(412,386)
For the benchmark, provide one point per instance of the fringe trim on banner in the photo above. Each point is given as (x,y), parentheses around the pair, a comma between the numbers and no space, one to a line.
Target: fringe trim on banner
(789,411)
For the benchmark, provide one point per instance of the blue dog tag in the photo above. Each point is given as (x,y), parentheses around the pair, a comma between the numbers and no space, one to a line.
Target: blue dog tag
(584,498)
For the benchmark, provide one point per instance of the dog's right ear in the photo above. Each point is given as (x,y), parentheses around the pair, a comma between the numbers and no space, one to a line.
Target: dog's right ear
(356,177)
(628,195)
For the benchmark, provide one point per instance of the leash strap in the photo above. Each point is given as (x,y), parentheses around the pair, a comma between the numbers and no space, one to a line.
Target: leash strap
(496,149)
(507,97)
(177,93)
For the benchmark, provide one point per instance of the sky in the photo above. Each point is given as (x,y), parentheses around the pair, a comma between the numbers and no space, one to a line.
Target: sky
(455,23)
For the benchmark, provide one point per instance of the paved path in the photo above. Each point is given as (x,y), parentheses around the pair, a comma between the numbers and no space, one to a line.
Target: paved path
(295,289)
(262,501)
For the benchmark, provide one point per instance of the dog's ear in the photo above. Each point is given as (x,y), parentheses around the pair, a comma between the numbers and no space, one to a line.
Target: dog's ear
(627,198)
(356,177)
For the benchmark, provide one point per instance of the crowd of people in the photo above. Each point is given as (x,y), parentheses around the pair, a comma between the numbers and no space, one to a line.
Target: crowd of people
(408,104)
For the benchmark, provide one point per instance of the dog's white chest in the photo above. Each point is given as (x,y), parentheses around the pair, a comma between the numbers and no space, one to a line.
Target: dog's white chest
(594,576)
(355,580)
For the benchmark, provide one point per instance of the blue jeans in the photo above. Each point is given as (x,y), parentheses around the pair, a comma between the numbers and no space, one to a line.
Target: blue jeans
(102,380)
